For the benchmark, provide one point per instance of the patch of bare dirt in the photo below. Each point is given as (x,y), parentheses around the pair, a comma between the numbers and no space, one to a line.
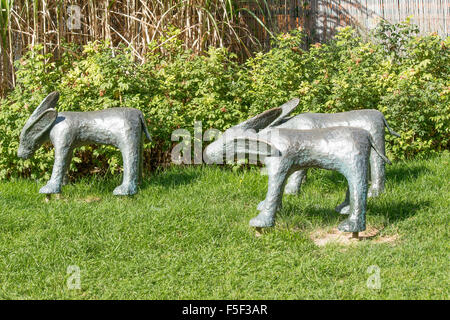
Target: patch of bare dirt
(54,197)
(91,199)
(322,237)
(259,232)
(387,239)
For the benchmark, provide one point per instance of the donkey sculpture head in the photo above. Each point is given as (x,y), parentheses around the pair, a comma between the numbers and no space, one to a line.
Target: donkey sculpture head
(38,125)
(241,138)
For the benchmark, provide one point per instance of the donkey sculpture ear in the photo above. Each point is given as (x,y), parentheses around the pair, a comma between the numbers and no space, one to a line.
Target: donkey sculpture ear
(38,126)
(49,102)
(260,121)
(255,146)
(287,109)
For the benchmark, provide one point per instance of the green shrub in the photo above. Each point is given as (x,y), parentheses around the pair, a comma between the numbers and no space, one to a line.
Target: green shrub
(173,90)
(274,77)
(408,82)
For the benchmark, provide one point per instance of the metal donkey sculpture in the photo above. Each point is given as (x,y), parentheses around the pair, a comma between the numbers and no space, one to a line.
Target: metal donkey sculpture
(369,119)
(284,151)
(119,127)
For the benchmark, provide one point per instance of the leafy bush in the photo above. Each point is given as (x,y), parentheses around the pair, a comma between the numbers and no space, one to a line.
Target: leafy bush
(409,82)
(397,72)
(173,90)
(274,77)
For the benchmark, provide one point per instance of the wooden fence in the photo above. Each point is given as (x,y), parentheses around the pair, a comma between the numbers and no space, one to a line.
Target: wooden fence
(321,18)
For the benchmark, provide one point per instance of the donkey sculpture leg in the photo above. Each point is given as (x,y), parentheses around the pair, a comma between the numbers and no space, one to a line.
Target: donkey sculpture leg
(292,186)
(66,174)
(62,156)
(377,169)
(277,170)
(344,207)
(131,151)
(356,198)
(295,181)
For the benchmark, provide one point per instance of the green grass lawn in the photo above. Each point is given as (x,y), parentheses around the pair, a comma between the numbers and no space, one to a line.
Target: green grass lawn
(186,236)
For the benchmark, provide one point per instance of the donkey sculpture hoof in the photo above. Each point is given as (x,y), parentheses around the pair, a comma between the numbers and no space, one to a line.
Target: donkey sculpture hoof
(50,188)
(262,221)
(352,226)
(291,190)
(343,209)
(373,193)
(124,190)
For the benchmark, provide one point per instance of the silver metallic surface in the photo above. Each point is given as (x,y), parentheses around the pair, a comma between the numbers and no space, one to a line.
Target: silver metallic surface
(368,119)
(119,127)
(285,151)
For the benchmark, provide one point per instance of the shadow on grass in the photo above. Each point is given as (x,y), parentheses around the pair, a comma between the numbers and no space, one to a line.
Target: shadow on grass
(399,174)
(397,210)
(393,211)
(331,179)
(170,178)
(325,215)
(167,178)
(395,175)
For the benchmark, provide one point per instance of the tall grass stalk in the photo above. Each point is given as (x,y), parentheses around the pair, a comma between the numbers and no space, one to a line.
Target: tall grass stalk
(135,23)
